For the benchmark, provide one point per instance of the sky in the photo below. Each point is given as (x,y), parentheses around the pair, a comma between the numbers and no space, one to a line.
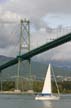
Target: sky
(44,15)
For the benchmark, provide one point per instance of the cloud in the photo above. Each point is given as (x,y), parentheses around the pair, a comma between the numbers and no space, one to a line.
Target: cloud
(61,53)
(36,11)
(9,32)
(60,19)
(3,1)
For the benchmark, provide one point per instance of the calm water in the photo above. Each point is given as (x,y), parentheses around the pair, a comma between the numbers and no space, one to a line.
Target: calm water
(27,101)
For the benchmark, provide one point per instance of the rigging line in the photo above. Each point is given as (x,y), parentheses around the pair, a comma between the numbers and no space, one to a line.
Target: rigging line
(55,82)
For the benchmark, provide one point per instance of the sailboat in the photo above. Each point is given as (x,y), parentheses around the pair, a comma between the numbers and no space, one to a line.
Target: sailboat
(47,89)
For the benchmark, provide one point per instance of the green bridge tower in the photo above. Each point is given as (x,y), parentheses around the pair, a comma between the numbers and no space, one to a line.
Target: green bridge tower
(24,45)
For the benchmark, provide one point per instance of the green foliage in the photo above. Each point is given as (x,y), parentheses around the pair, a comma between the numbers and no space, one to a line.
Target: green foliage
(64,87)
(7,85)
(37,86)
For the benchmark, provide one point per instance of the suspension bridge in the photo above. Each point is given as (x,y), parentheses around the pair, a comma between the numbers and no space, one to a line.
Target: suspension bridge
(38,50)
(31,53)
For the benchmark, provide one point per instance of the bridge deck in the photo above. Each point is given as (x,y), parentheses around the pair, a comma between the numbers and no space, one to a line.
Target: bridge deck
(38,50)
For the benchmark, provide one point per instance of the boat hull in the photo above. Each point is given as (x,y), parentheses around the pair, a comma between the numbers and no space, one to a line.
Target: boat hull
(52,97)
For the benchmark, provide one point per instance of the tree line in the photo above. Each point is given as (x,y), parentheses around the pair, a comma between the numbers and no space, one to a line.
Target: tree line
(36,86)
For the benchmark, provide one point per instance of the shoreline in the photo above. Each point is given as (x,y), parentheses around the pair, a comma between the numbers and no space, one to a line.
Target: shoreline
(17,92)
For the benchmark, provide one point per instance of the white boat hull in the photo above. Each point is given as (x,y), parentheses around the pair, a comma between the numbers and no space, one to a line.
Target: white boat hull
(52,97)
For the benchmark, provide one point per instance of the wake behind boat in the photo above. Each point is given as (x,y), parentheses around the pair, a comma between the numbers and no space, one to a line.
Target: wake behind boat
(47,90)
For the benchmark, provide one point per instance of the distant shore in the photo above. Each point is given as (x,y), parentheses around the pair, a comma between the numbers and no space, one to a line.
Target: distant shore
(17,92)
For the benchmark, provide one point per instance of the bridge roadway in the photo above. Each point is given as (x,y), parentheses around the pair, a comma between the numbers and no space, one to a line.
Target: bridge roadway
(45,47)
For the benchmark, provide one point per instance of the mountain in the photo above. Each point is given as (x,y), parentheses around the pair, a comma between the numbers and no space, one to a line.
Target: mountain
(4,59)
(38,69)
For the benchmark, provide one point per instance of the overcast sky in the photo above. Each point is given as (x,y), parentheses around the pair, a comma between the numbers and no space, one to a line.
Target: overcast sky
(43,14)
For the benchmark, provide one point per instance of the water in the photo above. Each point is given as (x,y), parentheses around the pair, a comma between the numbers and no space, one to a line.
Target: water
(28,101)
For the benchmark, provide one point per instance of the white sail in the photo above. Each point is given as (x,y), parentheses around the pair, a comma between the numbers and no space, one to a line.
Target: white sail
(47,82)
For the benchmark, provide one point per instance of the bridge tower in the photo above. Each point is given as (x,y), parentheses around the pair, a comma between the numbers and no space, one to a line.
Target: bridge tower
(24,45)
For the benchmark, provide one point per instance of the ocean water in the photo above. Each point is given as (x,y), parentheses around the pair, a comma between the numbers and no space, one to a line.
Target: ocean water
(28,101)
